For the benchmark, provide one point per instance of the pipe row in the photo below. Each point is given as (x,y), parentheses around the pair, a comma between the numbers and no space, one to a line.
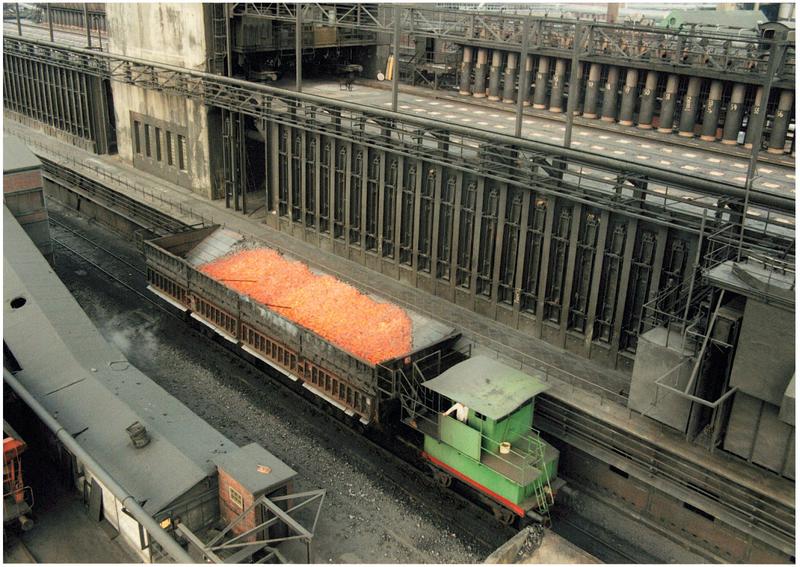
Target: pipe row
(631,97)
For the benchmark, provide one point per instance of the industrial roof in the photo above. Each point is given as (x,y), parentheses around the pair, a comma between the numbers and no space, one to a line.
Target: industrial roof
(17,156)
(255,468)
(93,391)
(487,386)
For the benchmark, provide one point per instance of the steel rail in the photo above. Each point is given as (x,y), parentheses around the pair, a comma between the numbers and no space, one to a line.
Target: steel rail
(107,66)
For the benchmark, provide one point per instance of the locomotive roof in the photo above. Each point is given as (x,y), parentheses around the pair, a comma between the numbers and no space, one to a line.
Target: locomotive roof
(487,386)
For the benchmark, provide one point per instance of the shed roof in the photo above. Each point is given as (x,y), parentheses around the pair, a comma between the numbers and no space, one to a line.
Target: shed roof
(255,468)
(93,391)
(487,386)
(17,156)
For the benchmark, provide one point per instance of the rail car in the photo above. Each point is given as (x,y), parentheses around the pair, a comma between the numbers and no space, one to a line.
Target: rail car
(489,445)
(17,496)
(356,386)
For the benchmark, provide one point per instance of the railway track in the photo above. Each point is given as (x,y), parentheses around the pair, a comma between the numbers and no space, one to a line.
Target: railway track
(403,473)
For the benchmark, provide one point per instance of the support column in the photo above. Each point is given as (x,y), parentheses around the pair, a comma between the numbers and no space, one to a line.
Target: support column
(689,110)
(509,78)
(494,74)
(466,71)
(648,103)
(590,98)
(540,89)
(525,82)
(667,115)
(711,112)
(628,104)
(610,95)
(557,89)
(733,117)
(479,87)
(751,121)
(780,124)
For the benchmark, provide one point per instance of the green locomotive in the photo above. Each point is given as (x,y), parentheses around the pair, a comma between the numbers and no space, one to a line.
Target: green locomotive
(476,420)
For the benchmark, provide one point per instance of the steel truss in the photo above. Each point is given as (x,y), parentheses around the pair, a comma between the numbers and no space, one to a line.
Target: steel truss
(640,191)
(693,51)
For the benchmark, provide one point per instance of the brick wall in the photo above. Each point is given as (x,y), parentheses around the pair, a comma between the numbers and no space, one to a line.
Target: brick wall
(230,509)
(23,180)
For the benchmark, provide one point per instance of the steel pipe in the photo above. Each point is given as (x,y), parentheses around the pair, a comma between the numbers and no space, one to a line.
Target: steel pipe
(510,77)
(127,500)
(689,109)
(592,86)
(648,101)
(711,112)
(751,121)
(540,88)
(780,124)
(494,74)
(610,95)
(466,72)
(557,87)
(666,116)
(479,87)
(628,104)
(733,116)
(525,84)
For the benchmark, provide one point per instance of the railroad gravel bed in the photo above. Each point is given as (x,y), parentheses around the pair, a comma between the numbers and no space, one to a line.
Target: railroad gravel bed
(365,518)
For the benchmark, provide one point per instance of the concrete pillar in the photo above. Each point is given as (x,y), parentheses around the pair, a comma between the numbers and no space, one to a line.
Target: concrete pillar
(525,84)
(733,117)
(590,98)
(711,112)
(689,110)
(667,114)
(494,74)
(510,78)
(780,124)
(479,87)
(557,87)
(628,104)
(648,103)
(540,90)
(751,120)
(610,96)
(466,71)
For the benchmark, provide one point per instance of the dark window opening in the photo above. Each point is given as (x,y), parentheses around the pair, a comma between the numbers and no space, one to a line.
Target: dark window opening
(699,512)
(620,472)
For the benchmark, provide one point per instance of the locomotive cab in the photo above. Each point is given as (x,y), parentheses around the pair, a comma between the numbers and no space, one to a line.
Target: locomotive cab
(477,422)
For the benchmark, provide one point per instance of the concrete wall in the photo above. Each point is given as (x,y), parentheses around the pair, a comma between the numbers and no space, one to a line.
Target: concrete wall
(174,34)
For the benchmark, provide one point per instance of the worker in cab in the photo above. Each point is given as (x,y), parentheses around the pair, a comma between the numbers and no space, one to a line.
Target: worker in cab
(461,410)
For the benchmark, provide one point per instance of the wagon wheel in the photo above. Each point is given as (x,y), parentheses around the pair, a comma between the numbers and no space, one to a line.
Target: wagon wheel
(442,478)
(503,515)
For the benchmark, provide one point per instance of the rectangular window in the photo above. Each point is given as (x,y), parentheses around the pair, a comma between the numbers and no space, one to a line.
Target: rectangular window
(147,149)
(235,497)
(341,391)
(158,144)
(327,382)
(137,136)
(313,374)
(168,145)
(181,152)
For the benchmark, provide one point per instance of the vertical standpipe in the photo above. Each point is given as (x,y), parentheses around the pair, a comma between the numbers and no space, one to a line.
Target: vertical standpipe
(525,83)
(733,117)
(540,89)
(466,71)
(479,87)
(667,115)
(628,104)
(711,112)
(751,120)
(557,87)
(610,95)
(494,74)
(510,78)
(780,124)
(689,110)
(592,85)
(648,103)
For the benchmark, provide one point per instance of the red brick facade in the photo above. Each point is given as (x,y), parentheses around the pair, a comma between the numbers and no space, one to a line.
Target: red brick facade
(23,180)
(230,509)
